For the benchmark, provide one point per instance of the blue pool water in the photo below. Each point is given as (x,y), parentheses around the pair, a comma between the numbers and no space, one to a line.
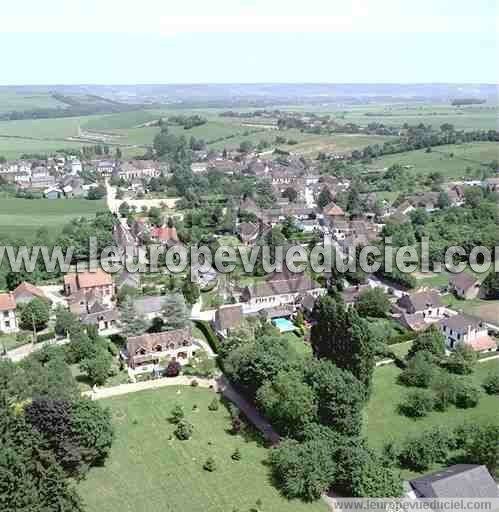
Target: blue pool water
(284,325)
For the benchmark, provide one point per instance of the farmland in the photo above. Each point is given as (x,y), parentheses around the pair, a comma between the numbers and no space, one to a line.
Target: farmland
(22,218)
(452,160)
(11,101)
(149,470)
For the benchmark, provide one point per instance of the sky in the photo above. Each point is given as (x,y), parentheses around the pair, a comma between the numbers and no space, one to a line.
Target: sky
(249,41)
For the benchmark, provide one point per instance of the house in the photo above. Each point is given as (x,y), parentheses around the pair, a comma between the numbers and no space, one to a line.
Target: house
(52,193)
(228,318)
(149,307)
(333,212)
(199,167)
(103,317)
(467,330)
(458,481)
(105,167)
(352,293)
(420,309)
(248,232)
(139,169)
(464,285)
(8,319)
(73,166)
(492,184)
(128,279)
(154,351)
(98,284)
(26,292)
(280,288)
(164,235)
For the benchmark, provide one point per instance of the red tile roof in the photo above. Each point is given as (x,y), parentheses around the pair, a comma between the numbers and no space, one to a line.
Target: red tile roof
(482,343)
(89,279)
(333,209)
(164,234)
(7,302)
(26,287)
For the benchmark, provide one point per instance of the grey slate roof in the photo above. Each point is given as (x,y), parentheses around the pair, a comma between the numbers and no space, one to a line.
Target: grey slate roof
(458,481)
(147,305)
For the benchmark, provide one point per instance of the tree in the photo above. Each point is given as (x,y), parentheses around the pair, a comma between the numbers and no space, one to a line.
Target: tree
(418,403)
(443,200)
(133,323)
(35,314)
(325,197)
(339,397)
(98,367)
(473,196)
(303,470)
(65,321)
(287,402)
(420,370)
(96,193)
(345,338)
(177,414)
(190,291)
(491,383)
(210,465)
(373,302)
(155,217)
(467,395)
(291,194)
(184,430)
(481,446)
(462,360)
(175,312)
(431,340)
(445,388)
(491,285)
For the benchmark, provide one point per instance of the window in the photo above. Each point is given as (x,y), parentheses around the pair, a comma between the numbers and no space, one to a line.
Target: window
(158,348)
(7,323)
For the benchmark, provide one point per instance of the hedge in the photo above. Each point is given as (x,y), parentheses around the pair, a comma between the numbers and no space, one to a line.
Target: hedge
(45,336)
(210,336)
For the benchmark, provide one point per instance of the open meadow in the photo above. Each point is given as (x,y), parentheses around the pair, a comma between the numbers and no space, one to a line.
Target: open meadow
(22,218)
(149,470)
(383,423)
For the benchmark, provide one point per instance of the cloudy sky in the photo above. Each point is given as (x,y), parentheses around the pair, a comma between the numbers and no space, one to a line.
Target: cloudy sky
(196,41)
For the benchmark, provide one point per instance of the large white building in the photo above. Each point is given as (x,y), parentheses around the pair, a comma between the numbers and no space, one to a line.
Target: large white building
(8,319)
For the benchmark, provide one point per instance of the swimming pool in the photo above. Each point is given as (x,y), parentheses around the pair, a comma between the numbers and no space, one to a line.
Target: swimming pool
(284,325)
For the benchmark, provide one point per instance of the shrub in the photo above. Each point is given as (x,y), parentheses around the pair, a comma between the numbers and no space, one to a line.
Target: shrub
(417,453)
(214,405)
(194,383)
(184,430)
(177,414)
(210,465)
(468,395)
(45,336)
(236,455)
(462,360)
(420,370)
(418,403)
(445,387)
(491,383)
(173,369)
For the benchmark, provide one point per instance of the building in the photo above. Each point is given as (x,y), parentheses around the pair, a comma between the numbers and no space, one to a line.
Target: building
(164,235)
(26,292)
(8,319)
(464,285)
(152,352)
(280,289)
(105,318)
(333,212)
(467,330)
(105,167)
(139,169)
(420,309)
(248,232)
(458,481)
(149,307)
(228,318)
(98,284)
(52,193)
(128,279)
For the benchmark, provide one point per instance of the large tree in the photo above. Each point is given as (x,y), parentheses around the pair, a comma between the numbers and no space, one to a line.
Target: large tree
(35,314)
(174,311)
(342,336)
(133,323)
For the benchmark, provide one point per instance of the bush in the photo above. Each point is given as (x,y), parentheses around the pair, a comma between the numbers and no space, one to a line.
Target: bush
(184,430)
(214,405)
(462,360)
(45,336)
(468,395)
(177,414)
(236,455)
(418,403)
(173,369)
(210,465)
(445,387)
(420,370)
(194,383)
(491,383)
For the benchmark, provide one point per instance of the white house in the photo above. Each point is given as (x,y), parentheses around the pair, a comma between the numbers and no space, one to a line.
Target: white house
(467,330)
(8,319)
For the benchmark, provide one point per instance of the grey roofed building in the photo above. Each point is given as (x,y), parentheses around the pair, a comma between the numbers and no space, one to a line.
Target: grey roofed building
(458,481)
(128,279)
(420,301)
(228,317)
(149,306)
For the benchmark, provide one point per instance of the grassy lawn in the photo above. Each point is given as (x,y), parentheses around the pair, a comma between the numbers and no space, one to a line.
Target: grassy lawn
(487,310)
(440,159)
(401,349)
(383,422)
(298,344)
(22,218)
(149,470)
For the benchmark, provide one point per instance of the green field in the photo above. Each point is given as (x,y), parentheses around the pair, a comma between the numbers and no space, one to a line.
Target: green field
(22,218)
(383,422)
(149,470)
(451,160)
(13,101)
